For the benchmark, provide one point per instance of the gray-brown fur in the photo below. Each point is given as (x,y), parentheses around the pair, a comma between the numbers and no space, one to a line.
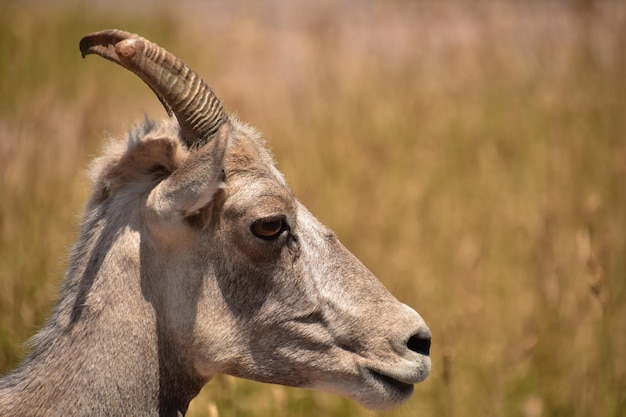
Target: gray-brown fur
(168,286)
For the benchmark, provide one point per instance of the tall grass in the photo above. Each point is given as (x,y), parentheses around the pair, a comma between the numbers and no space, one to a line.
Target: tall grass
(472,154)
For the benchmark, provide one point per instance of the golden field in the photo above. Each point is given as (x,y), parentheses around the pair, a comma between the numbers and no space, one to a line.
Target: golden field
(471,154)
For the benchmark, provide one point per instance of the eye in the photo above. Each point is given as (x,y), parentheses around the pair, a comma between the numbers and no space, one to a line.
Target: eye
(269,228)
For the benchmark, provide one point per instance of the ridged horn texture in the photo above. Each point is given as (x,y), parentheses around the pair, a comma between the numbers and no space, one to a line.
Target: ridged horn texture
(182,92)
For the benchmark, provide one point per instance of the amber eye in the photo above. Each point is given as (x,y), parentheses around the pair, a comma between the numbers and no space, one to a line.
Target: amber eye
(269,228)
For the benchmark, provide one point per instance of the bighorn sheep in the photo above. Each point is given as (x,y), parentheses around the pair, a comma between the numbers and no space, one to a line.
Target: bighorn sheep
(193,259)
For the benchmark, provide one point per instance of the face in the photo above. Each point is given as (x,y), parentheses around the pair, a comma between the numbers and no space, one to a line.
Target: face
(296,307)
(242,277)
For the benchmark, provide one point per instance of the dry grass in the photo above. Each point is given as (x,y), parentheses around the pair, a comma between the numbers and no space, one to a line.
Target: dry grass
(473,155)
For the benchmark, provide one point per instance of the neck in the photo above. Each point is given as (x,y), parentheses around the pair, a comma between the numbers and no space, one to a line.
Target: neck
(104,352)
(99,379)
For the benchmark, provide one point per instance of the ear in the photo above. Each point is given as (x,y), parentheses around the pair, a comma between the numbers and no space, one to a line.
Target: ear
(194,184)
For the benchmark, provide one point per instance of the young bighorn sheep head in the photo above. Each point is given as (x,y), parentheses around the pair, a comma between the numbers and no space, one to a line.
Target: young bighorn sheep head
(194,253)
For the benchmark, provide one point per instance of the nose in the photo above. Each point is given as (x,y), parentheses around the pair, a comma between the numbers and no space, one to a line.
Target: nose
(420,343)
(419,336)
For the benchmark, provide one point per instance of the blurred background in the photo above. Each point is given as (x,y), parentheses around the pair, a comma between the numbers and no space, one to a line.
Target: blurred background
(471,153)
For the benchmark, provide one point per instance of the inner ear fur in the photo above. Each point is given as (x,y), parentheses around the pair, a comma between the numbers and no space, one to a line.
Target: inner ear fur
(145,160)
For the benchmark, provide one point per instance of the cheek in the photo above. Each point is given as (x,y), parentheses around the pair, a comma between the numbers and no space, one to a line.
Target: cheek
(295,299)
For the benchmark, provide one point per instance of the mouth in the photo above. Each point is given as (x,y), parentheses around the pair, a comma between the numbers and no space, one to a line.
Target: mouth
(380,388)
(401,389)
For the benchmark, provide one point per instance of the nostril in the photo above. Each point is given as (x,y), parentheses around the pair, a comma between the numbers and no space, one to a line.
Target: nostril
(419,344)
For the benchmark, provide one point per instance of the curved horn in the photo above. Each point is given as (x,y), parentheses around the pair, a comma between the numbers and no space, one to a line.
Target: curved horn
(181,91)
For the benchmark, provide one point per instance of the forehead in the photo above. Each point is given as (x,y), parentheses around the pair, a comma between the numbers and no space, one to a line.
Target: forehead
(251,178)
(247,155)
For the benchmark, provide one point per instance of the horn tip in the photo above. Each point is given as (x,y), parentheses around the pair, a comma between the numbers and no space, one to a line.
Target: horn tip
(99,42)
(84,46)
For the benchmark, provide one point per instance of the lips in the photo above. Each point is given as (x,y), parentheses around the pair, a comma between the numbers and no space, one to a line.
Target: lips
(379,385)
(401,388)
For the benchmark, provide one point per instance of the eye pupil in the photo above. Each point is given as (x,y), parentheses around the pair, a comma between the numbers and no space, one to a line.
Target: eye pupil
(268,228)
